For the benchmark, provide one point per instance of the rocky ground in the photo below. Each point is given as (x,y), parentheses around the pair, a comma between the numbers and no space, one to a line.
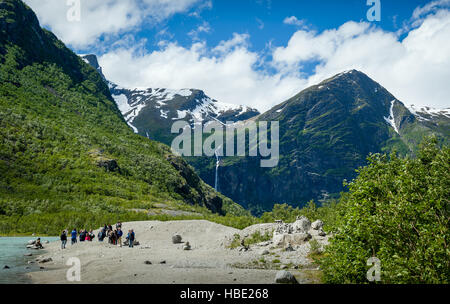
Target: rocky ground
(210,259)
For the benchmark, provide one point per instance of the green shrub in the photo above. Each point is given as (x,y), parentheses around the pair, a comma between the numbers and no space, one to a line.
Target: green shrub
(398,211)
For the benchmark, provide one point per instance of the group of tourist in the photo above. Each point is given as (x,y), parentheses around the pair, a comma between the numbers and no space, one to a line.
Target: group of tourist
(114,236)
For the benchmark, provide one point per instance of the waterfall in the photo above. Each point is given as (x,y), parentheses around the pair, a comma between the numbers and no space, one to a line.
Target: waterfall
(216,184)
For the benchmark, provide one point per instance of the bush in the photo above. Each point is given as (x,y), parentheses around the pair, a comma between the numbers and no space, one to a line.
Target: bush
(398,211)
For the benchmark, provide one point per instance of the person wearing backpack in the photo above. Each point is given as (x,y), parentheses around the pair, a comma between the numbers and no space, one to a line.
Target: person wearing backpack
(74,236)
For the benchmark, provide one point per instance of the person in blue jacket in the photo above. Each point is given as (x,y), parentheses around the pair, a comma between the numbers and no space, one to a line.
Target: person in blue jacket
(119,236)
(130,238)
(74,236)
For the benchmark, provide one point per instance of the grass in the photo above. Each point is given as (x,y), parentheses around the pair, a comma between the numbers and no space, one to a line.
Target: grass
(254,238)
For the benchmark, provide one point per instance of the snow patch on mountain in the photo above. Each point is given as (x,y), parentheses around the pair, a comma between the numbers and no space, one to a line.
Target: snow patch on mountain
(425,113)
(391,119)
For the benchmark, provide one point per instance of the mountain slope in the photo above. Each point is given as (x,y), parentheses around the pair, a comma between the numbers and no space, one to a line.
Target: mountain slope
(152,111)
(67,156)
(326,132)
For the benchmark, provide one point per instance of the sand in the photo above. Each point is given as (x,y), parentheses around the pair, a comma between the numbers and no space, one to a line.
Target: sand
(209,261)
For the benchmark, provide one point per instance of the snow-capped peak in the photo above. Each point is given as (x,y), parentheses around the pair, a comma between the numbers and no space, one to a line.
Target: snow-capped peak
(426,112)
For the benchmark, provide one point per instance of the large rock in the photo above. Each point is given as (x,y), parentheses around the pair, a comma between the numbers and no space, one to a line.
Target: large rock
(285,277)
(291,238)
(176,239)
(110,165)
(321,232)
(46,260)
(283,228)
(316,225)
(302,224)
(187,246)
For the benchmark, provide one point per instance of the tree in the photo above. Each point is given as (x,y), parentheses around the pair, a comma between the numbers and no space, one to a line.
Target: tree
(398,211)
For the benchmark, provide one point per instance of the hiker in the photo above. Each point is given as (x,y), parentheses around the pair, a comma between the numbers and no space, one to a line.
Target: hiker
(119,225)
(119,236)
(113,237)
(102,234)
(63,239)
(130,238)
(110,236)
(91,235)
(38,244)
(74,236)
(87,236)
(82,235)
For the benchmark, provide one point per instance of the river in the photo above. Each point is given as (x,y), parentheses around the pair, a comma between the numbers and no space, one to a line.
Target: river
(12,254)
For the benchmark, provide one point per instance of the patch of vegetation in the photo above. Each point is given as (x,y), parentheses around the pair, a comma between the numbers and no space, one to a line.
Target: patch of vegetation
(397,210)
(254,238)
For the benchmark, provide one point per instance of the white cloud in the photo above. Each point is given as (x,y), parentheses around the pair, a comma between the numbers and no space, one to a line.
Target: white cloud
(226,73)
(203,28)
(104,17)
(294,21)
(416,70)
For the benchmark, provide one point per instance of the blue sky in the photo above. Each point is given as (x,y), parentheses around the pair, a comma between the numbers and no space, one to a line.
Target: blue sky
(261,52)
(245,16)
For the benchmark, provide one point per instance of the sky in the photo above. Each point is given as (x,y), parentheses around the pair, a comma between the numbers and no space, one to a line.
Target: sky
(261,52)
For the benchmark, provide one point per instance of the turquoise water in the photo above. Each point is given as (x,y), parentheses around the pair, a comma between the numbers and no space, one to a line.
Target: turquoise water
(12,250)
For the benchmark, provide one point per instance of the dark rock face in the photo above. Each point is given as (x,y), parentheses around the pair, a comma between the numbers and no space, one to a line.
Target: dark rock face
(194,190)
(110,165)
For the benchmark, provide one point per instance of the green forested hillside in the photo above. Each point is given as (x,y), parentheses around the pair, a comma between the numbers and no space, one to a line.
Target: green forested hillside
(67,157)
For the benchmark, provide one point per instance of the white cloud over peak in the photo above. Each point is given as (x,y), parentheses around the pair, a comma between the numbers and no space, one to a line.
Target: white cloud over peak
(416,69)
(104,17)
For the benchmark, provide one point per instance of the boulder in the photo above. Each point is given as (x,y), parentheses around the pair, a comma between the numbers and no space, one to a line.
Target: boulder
(289,248)
(46,260)
(302,224)
(265,252)
(285,277)
(321,232)
(316,225)
(109,165)
(187,246)
(148,262)
(28,254)
(293,239)
(283,228)
(176,239)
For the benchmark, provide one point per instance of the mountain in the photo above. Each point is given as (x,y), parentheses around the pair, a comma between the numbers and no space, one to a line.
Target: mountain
(67,156)
(152,111)
(326,132)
